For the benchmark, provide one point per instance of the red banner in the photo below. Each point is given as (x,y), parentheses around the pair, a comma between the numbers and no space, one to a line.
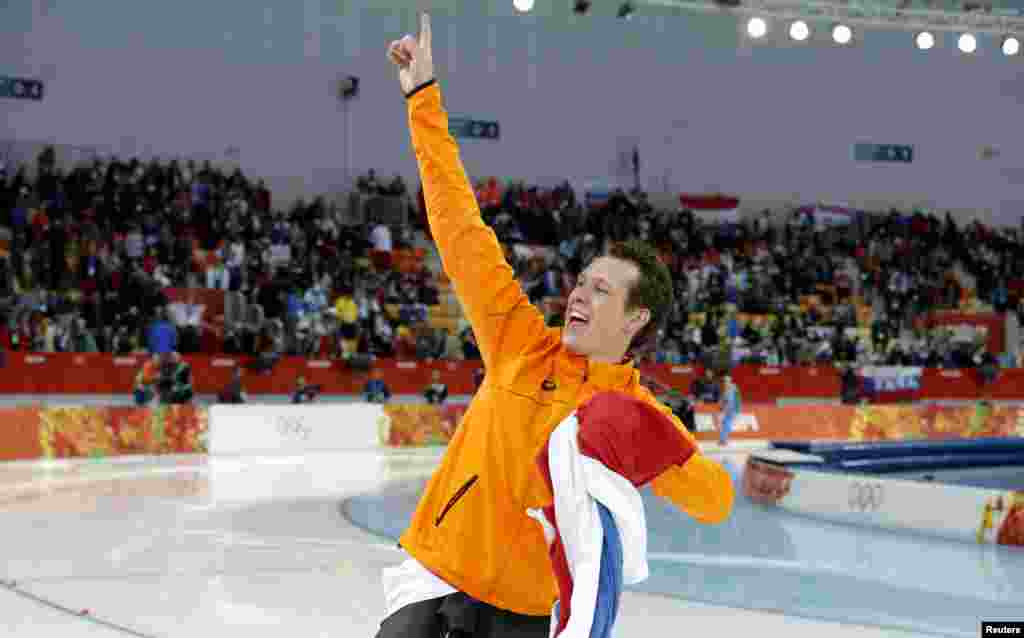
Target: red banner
(68,373)
(21,434)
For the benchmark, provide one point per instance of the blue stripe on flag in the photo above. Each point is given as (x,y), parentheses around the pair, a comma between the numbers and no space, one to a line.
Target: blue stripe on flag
(609,589)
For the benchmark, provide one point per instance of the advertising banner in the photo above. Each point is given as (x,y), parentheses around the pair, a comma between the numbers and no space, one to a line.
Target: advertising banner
(891,383)
(100,432)
(426,425)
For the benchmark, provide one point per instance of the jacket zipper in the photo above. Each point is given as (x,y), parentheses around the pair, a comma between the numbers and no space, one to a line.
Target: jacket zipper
(455,499)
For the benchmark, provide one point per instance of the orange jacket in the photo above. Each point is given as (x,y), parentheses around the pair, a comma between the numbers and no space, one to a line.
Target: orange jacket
(470,527)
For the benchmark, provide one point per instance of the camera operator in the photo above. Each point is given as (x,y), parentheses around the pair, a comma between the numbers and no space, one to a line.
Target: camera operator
(145,381)
(849,386)
(682,407)
(376,390)
(705,389)
(175,382)
(233,393)
(305,393)
(436,393)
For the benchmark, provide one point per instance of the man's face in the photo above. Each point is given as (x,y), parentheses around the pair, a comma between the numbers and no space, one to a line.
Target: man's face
(596,321)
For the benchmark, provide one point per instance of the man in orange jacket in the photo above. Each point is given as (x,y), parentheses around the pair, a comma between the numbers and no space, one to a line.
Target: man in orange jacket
(478,564)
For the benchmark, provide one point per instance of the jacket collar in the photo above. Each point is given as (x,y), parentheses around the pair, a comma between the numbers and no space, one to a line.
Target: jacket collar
(610,376)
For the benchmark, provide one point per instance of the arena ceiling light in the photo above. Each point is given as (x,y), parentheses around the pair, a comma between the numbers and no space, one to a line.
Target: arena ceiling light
(967,43)
(799,31)
(892,14)
(925,40)
(523,5)
(757,27)
(842,34)
(1010,45)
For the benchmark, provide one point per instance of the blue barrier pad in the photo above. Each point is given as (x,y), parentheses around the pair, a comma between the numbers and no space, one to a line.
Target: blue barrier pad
(928,462)
(834,452)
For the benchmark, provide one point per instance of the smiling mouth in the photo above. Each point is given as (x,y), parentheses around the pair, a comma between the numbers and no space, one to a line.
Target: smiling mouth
(575,322)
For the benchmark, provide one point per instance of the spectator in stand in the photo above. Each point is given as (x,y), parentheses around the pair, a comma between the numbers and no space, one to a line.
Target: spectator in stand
(368,184)
(187,317)
(272,296)
(262,197)
(376,391)
(470,352)
(252,326)
(347,313)
(430,344)
(437,392)
(316,307)
(162,336)
(397,187)
(670,354)
(380,238)
(382,336)
(78,337)
(381,246)
(295,318)
(405,343)
(134,245)
(270,346)
(452,346)
(235,260)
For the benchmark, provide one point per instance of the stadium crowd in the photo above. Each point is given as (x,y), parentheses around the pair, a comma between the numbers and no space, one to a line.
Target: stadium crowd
(91,253)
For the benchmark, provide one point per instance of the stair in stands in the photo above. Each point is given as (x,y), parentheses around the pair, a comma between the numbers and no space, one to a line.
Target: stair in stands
(447,315)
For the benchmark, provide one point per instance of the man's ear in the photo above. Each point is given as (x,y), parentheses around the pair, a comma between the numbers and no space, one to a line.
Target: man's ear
(638,320)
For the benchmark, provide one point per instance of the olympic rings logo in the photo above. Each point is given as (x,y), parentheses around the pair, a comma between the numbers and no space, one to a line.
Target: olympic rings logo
(865,497)
(292,427)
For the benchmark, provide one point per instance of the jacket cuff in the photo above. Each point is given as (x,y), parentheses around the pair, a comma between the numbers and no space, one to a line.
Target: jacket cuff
(420,88)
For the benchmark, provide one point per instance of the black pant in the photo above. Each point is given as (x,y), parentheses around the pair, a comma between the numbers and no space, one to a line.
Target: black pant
(459,616)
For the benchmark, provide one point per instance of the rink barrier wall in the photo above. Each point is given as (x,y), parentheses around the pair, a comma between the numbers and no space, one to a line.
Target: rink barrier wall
(811,484)
(100,373)
(288,429)
(46,432)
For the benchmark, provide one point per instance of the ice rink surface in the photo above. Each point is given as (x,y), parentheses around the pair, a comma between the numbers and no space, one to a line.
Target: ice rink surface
(261,546)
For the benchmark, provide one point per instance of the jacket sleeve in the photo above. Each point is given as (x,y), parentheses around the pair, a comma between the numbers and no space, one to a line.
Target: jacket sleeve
(702,487)
(504,321)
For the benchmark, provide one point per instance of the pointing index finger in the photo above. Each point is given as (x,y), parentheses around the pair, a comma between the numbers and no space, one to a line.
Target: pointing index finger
(425,30)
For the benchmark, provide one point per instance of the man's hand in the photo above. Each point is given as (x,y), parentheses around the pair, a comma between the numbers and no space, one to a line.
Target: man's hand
(413,58)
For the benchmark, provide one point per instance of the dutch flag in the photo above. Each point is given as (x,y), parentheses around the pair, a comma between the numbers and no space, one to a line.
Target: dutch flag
(594,462)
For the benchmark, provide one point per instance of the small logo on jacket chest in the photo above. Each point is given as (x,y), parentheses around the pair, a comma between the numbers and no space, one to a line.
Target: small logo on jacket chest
(548,385)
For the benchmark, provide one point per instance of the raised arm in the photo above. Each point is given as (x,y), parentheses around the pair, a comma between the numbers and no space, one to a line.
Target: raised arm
(504,321)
